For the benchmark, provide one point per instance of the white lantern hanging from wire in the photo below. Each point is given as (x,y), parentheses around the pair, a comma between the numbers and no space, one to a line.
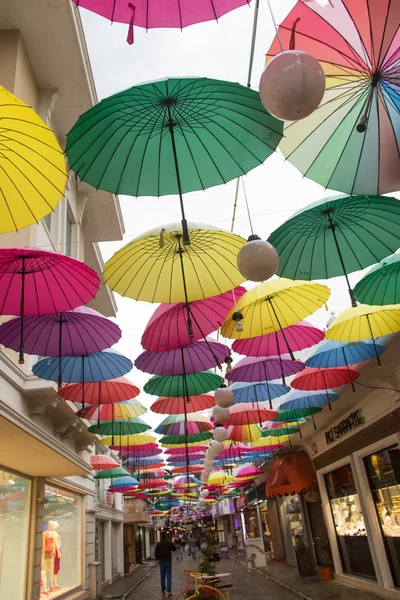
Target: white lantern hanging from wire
(224,397)
(220,414)
(220,434)
(257,260)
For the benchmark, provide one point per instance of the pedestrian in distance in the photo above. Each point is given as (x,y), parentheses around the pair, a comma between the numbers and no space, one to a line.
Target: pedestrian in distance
(178,546)
(163,551)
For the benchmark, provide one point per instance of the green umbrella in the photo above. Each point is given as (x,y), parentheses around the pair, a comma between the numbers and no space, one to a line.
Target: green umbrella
(168,440)
(381,285)
(171,137)
(279,431)
(111,473)
(337,236)
(126,427)
(297,414)
(183,385)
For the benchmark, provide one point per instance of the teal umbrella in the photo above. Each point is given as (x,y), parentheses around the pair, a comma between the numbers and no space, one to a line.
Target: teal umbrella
(381,285)
(337,236)
(171,137)
(126,427)
(172,440)
(183,385)
(111,473)
(297,414)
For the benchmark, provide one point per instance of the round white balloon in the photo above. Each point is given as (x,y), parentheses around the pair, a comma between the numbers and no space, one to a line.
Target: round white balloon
(224,397)
(220,414)
(208,462)
(220,434)
(204,493)
(257,260)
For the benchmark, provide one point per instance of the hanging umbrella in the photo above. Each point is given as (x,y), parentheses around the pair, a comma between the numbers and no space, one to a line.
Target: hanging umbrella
(195,422)
(111,473)
(102,461)
(273,306)
(113,412)
(192,449)
(122,484)
(101,392)
(298,399)
(243,414)
(140,452)
(365,322)
(253,369)
(337,236)
(350,143)
(77,332)
(126,427)
(296,337)
(176,142)
(297,415)
(381,285)
(36,282)
(220,478)
(32,173)
(342,354)
(257,392)
(167,329)
(143,462)
(173,440)
(183,428)
(248,472)
(198,356)
(133,440)
(247,433)
(179,385)
(183,469)
(179,460)
(323,379)
(187,482)
(280,431)
(175,405)
(151,14)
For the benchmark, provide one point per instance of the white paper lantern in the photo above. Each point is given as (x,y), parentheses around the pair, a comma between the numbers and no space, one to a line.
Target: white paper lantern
(204,493)
(207,470)
(220,414)
(224,397)
(220,434)
(208,462)
(203,477)
(202,501)
(208,456)
(292,85)
(216,448)
(257,260)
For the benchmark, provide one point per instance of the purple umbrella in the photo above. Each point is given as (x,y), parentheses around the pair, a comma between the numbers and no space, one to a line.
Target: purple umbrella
(252,369)
(196,357)
(77,332)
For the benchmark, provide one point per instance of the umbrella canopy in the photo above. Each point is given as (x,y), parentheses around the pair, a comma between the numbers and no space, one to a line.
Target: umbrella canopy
(191,426)
(187,481)
(297,415)
(101,392)
(336,236)
(252,369)
(177,405)
(123,483)
(342,354)
(139,452)
(132,440)
(113,412)
(273,306)
(176,141)
(173,440)
(364,322)
(248,433)
(199,356)
(323,379)
(111,473)
(297,399)
(247,472)
(219,478)
(143,462)
(243,414)
(32,173)
(134,425)
(192,449)
(179,385)
(102,461)
(350,143)
(183,469)
(381,285)
(296,337)
(167,329)
(257,392)
(280,432)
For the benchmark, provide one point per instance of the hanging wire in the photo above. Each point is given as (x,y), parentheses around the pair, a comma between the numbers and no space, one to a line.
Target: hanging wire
(275,25)
(235,203)
(247,208)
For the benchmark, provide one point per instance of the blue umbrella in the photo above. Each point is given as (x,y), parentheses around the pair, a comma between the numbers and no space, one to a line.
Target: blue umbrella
(143,461)
(123,483)
(257,392)
(300,399)
(342,354)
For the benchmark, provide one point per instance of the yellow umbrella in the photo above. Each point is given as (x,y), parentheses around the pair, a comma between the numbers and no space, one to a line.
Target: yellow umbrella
(32,165)
(272,306)
(219,478)
(134,439)
(365,322)
(183,445)
(158,267)
(244,433)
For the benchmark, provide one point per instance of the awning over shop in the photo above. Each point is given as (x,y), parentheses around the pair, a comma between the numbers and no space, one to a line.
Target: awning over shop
(291,474)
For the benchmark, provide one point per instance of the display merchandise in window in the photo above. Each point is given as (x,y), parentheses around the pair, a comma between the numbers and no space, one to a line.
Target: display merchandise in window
(15,493)
(251,522)
(61,542)
(294,516)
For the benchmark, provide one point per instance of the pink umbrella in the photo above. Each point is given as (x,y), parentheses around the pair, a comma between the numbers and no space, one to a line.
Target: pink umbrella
(249,472)
(242,414)
(296,337)
(190,449)
(168,327)
(154,14)
(252,369)
(36,282)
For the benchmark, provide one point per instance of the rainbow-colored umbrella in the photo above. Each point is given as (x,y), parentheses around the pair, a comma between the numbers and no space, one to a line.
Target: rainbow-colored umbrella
(178,405)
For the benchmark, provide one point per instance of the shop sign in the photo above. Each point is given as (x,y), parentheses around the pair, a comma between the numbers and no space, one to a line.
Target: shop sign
(240,503)
(352,421)
(312,496)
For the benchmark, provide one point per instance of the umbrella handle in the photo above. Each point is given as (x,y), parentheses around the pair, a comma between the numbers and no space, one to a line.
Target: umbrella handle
(373,341)
(21,359)
(253,42)
(60,353)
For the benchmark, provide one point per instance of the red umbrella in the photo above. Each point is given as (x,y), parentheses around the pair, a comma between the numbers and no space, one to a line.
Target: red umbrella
(324,379)
(100,462)
(183,470)
(176,406)
(242,414)
(102,392)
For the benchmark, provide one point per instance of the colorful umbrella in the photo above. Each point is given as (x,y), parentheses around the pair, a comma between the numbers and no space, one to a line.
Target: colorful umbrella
(102,461)
(139,452)
(274,306)
(280,432)
(173,440)
(167,329)
(183,482)
(132,440)
(125,427)
(350,143)
(198,356)
(112,412)
(381,285)
(176,141)
(342,354)
(251,369)
(297,415)
(180,385)
(257,392)
(296,337)
(220,478)
(32,166)
(36,282)
(177,405)
(193,449)
(193,418)
(122,484)
(243,414)
(143,462)
(248,433)
(248,472)
(101,392)
(336,236)
(191,469)
(324,379)
(111,473)
(297,399)
(188,428)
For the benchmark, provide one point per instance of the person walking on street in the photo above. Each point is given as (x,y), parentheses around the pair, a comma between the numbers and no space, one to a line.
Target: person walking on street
(193,548)
(164,557)
(178,546)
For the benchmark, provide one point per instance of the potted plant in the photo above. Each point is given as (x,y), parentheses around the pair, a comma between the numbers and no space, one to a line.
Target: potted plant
(325,560)
(127,558)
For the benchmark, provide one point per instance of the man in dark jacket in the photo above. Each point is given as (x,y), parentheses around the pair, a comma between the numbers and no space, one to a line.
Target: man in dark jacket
(164,557)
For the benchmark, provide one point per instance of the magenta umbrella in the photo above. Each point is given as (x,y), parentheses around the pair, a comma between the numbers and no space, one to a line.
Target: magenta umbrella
(296,337)
(154,14)
(36,282)
(263,368)
(196,357)
(77,332)
(167,329)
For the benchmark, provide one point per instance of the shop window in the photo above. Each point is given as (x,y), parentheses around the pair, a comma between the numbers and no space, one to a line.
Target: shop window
(294,516)
(99,546)
(15,494)
(61,542)
(251,523)
(384,478)
(349,523)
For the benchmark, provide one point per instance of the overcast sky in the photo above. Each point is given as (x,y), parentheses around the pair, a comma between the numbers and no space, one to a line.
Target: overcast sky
(275,190)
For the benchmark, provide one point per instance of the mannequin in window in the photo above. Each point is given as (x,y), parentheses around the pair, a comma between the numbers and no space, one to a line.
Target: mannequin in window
(50,549)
